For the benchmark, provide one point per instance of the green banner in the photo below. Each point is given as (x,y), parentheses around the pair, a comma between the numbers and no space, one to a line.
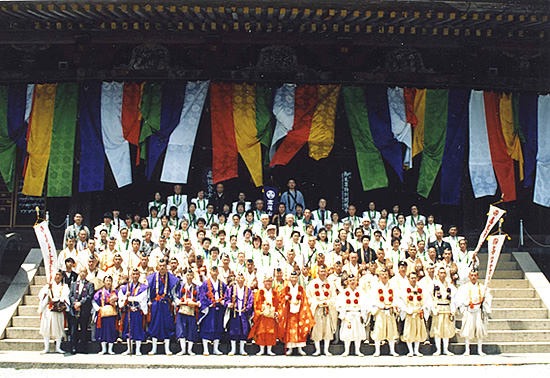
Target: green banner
(60,169)
(370,163)
(7,146)
(435,131)
(151,102)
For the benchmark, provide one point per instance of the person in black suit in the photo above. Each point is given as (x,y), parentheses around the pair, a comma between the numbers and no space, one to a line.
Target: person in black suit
(218,198)
(80,297)
(439,244)
(366,253)
(69,275)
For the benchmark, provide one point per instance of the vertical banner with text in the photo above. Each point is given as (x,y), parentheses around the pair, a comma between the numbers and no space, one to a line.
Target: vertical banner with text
(271,199)
(47,246)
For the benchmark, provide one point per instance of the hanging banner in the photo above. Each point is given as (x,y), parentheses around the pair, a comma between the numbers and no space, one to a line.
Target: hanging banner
(47,246)
(271,199)
(495,246)
(495,214)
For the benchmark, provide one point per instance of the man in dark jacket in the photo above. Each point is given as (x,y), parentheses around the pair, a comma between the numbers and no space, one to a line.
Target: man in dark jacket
(439,244)
(80,297)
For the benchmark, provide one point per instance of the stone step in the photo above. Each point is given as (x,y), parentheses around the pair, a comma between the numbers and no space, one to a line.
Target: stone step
(517,302)
(34,289)
(519,313)
(506,336)
(513,293)
(27,310)
(23,333)
(507,274)
(30,300)
(518,324)
(336,349)
(502,265)
(26,321)
(509,284)
(503,257)
(39,280)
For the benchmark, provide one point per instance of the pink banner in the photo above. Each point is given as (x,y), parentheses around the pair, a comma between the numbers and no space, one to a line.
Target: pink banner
(47,246)
(495,214)
(495,246)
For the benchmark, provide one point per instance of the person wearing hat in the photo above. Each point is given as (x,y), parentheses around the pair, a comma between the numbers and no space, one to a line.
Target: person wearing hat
(239,305)
(105,306)
(382,299)
(118,271)
(132,301)
(352,305)
(211,296)
(107,256)
(53,302)
(112,230)
(413,303)
(265,325)
(143,268)
(161,326)
(161,252)
(474,300)
(295,317)
(186,302)
(322,296)
(443,310)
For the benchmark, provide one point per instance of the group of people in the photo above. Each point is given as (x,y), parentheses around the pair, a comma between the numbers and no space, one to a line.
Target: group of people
(212,270)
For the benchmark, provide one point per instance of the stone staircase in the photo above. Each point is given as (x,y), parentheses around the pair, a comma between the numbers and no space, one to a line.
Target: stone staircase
(519,322)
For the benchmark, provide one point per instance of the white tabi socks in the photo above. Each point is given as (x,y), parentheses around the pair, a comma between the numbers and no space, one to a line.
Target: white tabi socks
(410,348)
(261,351)
(233,348)
(347,344)
(480,348)
(391,343)
(269,351)
(327,345)
(58,346)
(127,352)
(376,348)
(438,346)
(446,347)
(467,346)
(103,348)
(317,348)
(46,345)
(182,346)
(190,348)
(205,348)
(417,349)
(358,348)
(242,351)
(216,348)
(154,349)
(138,348)
(111,345)
(167,350)
(301,351)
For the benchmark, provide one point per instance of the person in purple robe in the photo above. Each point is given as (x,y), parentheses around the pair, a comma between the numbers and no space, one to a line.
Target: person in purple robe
(239,304)
(186,302)
(211,295)
(132,301)
(161,284)
(105,306)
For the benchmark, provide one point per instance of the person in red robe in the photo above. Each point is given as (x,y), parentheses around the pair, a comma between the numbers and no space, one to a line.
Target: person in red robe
(295,317)
(266,305)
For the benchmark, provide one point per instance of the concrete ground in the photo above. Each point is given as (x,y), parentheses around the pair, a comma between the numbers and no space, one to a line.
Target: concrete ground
(34,360)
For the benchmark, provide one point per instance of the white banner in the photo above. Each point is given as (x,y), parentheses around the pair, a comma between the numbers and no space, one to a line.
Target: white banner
(495,246)
(283,110)
(47,246)
(495,214)
(541,194)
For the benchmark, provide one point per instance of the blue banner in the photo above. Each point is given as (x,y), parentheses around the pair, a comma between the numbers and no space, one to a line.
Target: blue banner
(528,121)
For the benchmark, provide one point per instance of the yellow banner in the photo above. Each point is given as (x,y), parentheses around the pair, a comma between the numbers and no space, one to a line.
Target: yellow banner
(321,135)
(39,138)
(418,131)
(244,120)
(513,144)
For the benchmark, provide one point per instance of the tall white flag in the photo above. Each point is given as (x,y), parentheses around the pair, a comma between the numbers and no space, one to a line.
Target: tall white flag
(47,246)
(495,213)
(495,246)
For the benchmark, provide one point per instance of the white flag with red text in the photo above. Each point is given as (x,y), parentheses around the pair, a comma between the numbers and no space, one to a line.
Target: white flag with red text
(47,246)
(495,214)
(495,246)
